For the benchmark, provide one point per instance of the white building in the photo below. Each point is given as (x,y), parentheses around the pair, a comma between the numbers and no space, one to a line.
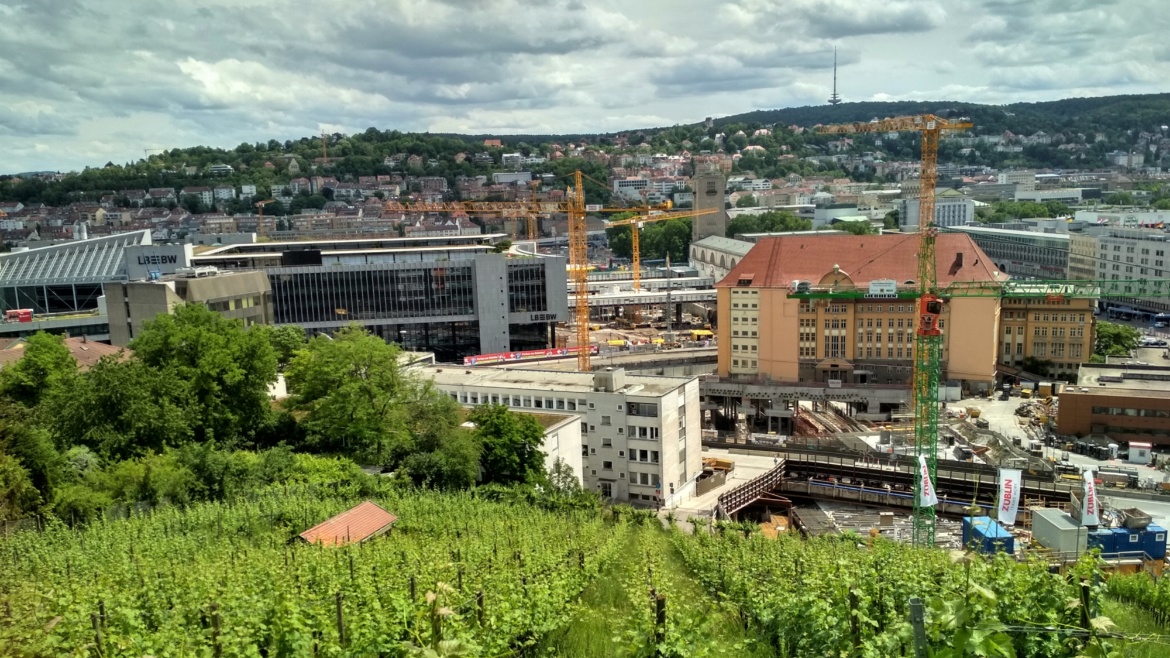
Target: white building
(951,208)
(640,436)
(224,192)
(714,256)
(205,195)
(1022,179)
(511,160)
(247,191)
(631,188)
(1109,253)
(511,178)
(1063,195)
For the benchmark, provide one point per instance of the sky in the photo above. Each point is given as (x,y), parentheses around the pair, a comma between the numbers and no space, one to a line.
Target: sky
(83,82)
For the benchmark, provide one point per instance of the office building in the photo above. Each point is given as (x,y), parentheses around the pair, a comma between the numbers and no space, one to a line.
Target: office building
(1023,254)
(449,295)
(243,296)
(1024,179)
(1054,329)
(640,436)
(1119,254)
(951,208)
(1126,402)
(764,333)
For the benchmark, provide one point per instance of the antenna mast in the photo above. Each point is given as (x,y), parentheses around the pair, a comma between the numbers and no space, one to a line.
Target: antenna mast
(834,99)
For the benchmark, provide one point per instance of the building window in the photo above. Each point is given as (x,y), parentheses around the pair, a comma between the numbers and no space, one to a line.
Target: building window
(607,466)
(605,420)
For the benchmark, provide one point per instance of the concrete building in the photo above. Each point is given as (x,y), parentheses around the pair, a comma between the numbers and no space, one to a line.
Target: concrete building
(1023,179)
(630,188)
(714,256)
(640,436)
(244,296)
(764,333)
(951,208)
(710,185)
(1124,402)
(1023,253)
(1119,254)
(449,295)
(1068,195)
(1054,329)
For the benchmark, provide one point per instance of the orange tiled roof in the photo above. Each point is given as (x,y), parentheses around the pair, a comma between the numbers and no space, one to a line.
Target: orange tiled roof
(85,352)
(354,525)
(776,262)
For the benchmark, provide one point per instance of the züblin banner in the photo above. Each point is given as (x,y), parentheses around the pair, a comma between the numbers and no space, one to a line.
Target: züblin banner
(1010,483)
(1089,509)
(927,497)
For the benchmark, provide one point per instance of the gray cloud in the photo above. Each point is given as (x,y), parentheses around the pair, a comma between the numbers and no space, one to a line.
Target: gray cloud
(86,81)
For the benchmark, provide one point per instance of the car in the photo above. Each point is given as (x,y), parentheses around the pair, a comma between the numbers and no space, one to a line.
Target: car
(1159,325)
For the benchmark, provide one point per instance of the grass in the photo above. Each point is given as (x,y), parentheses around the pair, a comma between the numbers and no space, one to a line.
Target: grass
(1134,621)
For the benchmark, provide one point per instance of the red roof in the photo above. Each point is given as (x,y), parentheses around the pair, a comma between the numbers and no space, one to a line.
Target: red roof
(356,524)
(776,262)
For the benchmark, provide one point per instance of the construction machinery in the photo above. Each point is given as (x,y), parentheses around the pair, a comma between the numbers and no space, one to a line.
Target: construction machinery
(575,208)
(930,299)
(636,224)
(260,216)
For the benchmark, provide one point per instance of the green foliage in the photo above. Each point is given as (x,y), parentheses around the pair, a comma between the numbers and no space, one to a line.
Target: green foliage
(502,246)
(286,339)
(124,408)
(1119,199)
(767,222)
(746,201)
(45,365)
(855,228)
(18,496)
(511,445)
(658,239)
(1115,339)
(227,371)
(1003,211)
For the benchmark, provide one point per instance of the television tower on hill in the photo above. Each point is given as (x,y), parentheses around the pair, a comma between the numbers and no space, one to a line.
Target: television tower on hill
(834,99)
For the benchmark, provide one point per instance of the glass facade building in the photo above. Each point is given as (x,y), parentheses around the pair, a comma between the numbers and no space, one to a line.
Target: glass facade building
(480,305)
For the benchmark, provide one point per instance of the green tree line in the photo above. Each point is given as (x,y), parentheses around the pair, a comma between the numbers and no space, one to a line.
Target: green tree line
(185,415)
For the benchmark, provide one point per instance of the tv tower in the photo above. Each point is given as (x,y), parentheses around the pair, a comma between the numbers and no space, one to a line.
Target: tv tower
(834,99)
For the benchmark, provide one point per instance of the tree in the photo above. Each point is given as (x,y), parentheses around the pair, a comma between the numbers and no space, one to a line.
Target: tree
(746,201)
(123,408)
(192,203)
(18,496)
(891,220)
(1119,199)
(511,445)
(767,222)
(1115,339)
(285,340)
(227,369)
(351,389)
(30,446)
(855,228)
(502,246)
(46,364)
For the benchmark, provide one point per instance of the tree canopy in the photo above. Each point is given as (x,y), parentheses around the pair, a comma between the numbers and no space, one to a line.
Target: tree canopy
(1115,339)
(511,445)
(767,222)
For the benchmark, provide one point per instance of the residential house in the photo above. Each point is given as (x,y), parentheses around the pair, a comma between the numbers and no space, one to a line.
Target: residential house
(224,192)
(205,194)
(247,191)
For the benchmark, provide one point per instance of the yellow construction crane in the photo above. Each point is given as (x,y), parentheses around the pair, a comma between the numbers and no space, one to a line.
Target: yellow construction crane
(576,210)
(635,224)
(260,217)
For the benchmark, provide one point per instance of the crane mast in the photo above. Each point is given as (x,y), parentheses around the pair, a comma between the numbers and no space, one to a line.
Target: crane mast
(929,305)
(579,268)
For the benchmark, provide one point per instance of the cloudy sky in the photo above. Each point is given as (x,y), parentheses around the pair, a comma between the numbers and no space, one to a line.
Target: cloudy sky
(86,81)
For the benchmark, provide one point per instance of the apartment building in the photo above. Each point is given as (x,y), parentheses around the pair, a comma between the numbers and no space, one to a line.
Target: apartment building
(951,208)
(1053,328)
(867,339)
(640,435)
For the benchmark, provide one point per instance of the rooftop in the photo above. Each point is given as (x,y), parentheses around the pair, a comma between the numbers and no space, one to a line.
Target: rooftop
(1010,232)
(543,380)
(720,243)
(356,524)
(357,244)
(776,262)
(85,352)
(1124,378)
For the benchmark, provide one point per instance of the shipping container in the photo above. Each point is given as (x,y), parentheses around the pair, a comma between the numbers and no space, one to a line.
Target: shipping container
(1154,542)
(1056,530)
(1103,541)
(984,535)
(1127,542)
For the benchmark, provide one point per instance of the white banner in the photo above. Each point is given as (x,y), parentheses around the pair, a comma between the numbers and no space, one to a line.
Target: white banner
(927,497)
(1089,509)
(1010,483)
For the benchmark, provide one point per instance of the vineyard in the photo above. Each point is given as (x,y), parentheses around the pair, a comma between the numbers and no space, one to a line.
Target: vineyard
(464,575)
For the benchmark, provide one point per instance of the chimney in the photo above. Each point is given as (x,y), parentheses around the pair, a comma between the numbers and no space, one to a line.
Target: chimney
(84,339)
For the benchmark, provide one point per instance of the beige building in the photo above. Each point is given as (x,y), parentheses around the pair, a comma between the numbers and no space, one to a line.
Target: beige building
(245,296)
(1053,328)
(869,339)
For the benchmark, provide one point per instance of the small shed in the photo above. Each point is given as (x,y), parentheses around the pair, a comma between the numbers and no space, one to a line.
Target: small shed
(1139,453)
(353,526)
(1056,530)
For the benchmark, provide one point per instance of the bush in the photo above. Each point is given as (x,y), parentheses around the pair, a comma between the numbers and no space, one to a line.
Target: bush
(78,504)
